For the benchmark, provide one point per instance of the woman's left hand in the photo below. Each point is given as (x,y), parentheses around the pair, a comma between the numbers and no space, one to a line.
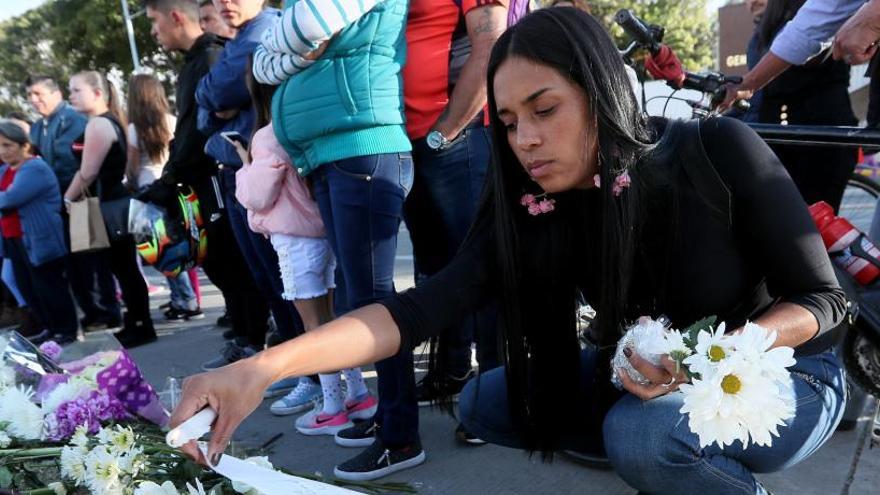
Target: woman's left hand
(663,379)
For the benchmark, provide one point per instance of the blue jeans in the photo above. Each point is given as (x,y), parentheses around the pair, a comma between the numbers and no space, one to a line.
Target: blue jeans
(361,203)
(183,296)
(262,260)
(439,212)
(651,446)
(7,273)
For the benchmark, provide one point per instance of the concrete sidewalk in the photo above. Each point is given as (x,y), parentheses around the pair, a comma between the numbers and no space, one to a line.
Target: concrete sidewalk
(844,465)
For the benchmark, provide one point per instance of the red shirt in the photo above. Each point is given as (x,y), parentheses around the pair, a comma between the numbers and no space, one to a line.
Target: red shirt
(10,224)
(431,28)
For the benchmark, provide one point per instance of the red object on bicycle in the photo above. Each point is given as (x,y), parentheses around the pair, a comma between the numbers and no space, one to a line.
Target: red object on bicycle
(848,247)
(665,65)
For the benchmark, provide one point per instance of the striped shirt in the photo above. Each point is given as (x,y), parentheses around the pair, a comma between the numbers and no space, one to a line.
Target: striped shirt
(301,30)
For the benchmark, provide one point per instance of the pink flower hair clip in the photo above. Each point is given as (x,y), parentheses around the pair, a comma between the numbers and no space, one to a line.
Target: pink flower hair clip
(537,204)
(621,182)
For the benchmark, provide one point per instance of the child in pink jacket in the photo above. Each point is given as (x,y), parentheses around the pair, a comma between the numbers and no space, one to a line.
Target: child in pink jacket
(281,207)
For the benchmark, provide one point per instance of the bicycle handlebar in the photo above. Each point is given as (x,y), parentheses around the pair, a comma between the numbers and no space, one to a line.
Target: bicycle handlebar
(649,37)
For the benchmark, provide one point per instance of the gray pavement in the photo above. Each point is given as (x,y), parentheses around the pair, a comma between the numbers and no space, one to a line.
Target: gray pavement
(844,465)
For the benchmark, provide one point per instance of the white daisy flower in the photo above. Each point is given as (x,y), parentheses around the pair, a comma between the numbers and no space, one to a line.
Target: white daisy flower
(24,417)
(244,487)
(80,436)
(121,440)
(712,348)
(73,465)
(151,488)
(732,402)
(103,472)
(754,344)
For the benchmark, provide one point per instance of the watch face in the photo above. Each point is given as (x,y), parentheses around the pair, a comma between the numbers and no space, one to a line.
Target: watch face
(435,140)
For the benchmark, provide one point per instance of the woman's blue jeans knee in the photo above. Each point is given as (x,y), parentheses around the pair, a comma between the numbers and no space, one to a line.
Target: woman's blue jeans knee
(652,448)
(361,203)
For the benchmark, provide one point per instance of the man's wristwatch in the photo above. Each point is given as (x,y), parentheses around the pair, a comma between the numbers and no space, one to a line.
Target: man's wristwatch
(437,141)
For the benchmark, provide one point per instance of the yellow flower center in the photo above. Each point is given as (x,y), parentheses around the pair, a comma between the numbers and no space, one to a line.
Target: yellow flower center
(716,353)
(731,384)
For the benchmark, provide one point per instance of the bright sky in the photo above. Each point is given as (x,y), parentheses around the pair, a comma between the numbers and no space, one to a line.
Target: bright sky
(11,8)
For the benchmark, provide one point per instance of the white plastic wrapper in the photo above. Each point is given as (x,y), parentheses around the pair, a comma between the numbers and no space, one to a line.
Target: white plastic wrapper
(266,481)
(642,339)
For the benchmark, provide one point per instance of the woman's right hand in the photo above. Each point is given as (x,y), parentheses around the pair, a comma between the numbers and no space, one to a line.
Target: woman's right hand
(233,392)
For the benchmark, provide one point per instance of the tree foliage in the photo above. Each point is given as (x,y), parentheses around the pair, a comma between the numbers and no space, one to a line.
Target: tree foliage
(62,37)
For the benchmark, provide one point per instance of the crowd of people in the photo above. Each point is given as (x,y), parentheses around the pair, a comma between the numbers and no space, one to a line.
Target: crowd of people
(309,134)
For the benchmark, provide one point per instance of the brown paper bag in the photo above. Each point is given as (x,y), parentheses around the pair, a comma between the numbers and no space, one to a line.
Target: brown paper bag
(87,230)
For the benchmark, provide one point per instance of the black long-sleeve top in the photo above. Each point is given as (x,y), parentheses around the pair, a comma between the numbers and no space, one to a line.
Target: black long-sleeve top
(698,265)
(188,162)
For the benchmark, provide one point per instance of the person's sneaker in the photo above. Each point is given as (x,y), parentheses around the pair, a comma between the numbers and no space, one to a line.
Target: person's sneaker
(364,408)
(230,353)
(362,434)
(225,320)
(166,305)
(466,437)
(281,387)
(377,461)
(429,390)
(174,314)
(297,400)
(316,422)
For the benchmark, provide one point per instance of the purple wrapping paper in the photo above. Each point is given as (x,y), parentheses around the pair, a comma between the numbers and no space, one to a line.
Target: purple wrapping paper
(124,381)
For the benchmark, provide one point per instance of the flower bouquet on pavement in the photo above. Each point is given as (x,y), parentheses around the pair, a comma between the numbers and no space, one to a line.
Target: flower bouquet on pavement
(46,393)
(740,387)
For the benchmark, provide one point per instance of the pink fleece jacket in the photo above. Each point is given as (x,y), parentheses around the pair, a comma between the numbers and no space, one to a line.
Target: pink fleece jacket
(277,199)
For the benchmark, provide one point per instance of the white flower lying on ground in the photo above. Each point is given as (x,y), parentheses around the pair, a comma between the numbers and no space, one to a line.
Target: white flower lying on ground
(151,488)
(73,466)
(711,350)
(103,472)
(244,487)
(5,440)
(7,377)
(24,418)
(733,401)
(58,488)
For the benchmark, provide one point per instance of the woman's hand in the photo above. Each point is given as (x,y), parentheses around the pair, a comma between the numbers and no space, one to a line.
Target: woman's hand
(233,392)
(663,379)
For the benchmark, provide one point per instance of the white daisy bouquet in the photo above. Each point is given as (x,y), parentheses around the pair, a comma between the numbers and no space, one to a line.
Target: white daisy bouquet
(57,389)
(740,387)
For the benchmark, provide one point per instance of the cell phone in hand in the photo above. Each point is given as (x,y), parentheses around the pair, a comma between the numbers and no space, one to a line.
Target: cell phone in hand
(235,137)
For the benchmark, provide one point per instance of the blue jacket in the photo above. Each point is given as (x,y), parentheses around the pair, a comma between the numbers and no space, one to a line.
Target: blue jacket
(35,194)
(54,136)
(223,88)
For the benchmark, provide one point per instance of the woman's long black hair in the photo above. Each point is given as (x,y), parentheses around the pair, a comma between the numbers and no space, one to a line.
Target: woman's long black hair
(540,258)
